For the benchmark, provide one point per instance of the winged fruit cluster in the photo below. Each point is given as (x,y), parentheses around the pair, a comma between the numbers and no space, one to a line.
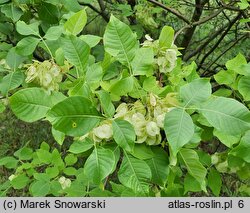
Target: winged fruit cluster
(47,74)
(147,119)
(165,58)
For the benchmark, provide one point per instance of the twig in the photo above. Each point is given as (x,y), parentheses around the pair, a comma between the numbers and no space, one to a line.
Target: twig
(171,10)
(231,46)
(103,9)
(95,10)
(202,46)
(202,21)
(220,39)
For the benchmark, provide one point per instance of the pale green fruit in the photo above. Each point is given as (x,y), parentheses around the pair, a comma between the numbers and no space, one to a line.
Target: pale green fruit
(65,182)
(141,139)
(138,119)
(152,129)
(12,177)
(121,110)
(152,100)
(61,180)
(222,167)
(160,120)
(104,131)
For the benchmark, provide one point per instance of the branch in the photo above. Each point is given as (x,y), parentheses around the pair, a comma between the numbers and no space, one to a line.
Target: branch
(171,10)
(229,7)
(202,21)
(230,47)
(188,35)
(220,39)
(105,17)
(103,8)
(101,4)
(202,46)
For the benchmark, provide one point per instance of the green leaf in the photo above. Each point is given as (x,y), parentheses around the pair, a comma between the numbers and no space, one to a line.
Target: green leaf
(244,69)
(179,129)
(244,190)
(45,146)
(99,164)
(77,189)
(124,134)
(159,166)
(214,181)
(243,149)
(143,61)
(244,172)
(24,153)
(196,92)
(94,76)
(41,176)
(3,1)
(58,136)
(29,105)
(135,174)
(48,13)
(56,159)
(11,81)
(76,23)
(236,62)
(120,41)
(72,5)
(244,87)
(25,29)
(123,191)
(81,146)
(194,166)
(8,162)
(12,12)
(6,28)
(70,159)
(97,192)
(44,156)
(55,188)
(227,77)
(223,92)
(205,158)
(76,52)
(116,151)
(106,103)
(2,107)
(20,181)
(53,33)
(52,172)
(243,4)
(142,151)
(74,116)
(40,188)
(27,45)
(226,139)
(150,84)
(4,188)
(123,86)
(70,171)
(91,40)
(191,184)
(59,56)
(13,59)
(80,88)
(166,38)
(226,115)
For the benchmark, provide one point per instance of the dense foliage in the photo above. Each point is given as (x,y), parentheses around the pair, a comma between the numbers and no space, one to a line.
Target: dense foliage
(144,121)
